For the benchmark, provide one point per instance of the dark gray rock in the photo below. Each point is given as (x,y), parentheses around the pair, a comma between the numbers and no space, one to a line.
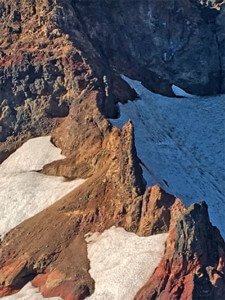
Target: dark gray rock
(158,42)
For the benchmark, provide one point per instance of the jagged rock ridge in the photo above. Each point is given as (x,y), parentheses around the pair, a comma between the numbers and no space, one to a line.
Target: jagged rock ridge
(193,263)
(60,65)
(51,51)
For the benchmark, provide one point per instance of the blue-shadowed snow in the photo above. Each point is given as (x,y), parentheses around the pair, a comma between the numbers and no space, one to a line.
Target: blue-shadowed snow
(181,142)
(121,262)
(28,292)
(23,191)
(181,93)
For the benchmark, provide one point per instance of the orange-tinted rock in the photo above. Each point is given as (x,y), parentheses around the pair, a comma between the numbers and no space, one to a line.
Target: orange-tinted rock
(13,274)
(6,291)
(54,284)
(160,211)
(59,75)
(189,269)
(53,240)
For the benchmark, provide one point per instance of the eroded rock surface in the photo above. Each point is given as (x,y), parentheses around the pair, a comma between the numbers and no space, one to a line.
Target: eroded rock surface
(193,263)
(50,247)
(60,66)
(51,51)
(51,244)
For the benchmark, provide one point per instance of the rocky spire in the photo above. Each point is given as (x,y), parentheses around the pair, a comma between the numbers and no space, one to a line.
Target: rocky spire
(193,263)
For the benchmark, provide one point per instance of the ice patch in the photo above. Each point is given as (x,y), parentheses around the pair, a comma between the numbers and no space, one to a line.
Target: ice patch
(24,192)
(121,262)
(28,292)
(181,93)
(181,143)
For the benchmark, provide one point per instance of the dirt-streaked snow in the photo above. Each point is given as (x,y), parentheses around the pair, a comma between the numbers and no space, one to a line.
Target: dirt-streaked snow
(121,262)
(29,292)
(24,192)
(181,143)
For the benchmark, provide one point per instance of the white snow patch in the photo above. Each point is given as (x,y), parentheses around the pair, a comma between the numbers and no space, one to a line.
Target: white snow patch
(181,93)
(182,145)
(24,192)
(28,292)
(121,262)
(32,155)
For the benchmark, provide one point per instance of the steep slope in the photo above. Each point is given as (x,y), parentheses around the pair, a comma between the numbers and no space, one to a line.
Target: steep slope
(60,66)
(112,196)
(193,264)
(55,252)
(177,147)
(42,70)
(156,42)
(51,51)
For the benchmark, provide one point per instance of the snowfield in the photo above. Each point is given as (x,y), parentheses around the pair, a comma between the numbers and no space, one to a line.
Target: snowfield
(181,144)
(25,192)
(29,292)
(121,262)
(32,156)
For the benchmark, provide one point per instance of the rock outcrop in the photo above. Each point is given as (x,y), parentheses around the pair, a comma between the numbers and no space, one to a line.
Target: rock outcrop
(160,211)
(60,66)
(51,51)
(42,70)
(156,42)
(41,247)
(193,263)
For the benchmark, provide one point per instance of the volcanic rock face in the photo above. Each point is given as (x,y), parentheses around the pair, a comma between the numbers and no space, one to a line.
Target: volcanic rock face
(160,211)
(41,70)
(109,198)
(193,263)
(51,51)
(55,252)
(167,42)
(37,68)
(60,66)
